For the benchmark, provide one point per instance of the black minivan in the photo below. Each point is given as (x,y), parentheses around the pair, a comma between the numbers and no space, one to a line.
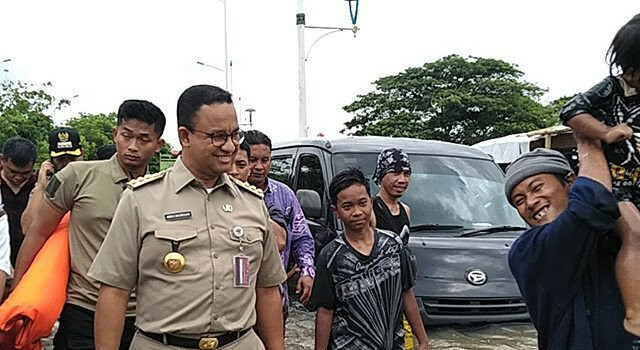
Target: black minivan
(462,225)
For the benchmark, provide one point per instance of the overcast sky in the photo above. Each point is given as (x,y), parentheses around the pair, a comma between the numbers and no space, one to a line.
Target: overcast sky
(108,51)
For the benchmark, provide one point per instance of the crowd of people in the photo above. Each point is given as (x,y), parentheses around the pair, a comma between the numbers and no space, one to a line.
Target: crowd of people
(205,244)
(198,256)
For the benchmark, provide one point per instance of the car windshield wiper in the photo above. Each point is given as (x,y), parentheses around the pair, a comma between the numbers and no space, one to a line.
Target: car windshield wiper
(492,229)
(434,227)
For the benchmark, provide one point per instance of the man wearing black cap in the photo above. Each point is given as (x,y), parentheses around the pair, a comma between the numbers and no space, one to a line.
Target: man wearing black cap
(565,264)
(64,148)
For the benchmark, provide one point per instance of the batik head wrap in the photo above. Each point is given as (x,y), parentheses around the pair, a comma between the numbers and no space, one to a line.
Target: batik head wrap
(390,160)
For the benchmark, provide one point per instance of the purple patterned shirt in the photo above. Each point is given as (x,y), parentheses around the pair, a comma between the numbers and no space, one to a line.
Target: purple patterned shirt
(299,240)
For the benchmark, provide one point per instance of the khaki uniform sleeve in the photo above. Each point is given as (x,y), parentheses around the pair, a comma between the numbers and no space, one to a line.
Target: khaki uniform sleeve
(116,263)
(61,191)
(271,271)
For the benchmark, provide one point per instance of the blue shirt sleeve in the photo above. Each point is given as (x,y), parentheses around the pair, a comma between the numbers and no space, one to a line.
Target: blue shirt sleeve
(548,261)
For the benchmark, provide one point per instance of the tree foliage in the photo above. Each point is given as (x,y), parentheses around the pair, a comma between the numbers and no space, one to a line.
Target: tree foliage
(455,99)
(95,130)
(25,110)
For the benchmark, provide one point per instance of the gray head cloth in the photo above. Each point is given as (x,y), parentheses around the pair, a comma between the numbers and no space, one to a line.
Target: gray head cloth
(390,160)
(538,161)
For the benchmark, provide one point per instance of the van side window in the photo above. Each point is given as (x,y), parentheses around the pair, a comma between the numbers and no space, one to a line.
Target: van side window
(310,174)
(281,169)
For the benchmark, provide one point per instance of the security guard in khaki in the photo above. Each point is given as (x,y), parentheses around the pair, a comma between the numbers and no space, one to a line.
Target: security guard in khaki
(195,258)
(195,244)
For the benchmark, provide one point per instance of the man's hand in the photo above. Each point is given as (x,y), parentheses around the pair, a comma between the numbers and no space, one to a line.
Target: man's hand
(305,284)
(618,133)
(44,174)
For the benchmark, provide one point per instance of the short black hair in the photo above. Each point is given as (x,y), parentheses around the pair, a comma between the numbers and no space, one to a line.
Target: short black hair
(143,111)
(255,137)
(106,151)
(345,179)
(624,51)
(19,151)
(195,97)
(245,147)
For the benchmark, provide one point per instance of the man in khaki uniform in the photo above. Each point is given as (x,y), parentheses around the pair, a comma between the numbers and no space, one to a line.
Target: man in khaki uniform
(196,245)
(91,191)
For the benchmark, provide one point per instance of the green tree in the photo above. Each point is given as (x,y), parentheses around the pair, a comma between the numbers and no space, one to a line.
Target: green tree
(154,162)
(455,99)
(557,104)
(95,130)
(25,110)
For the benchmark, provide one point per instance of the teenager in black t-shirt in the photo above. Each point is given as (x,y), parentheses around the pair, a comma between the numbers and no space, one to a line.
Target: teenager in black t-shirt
(363,278)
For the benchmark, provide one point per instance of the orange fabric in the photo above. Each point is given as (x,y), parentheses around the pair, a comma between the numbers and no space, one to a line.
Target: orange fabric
(32,309)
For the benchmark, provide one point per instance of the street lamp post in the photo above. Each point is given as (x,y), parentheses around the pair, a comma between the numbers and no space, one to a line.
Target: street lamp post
(226,53)
(228,85)
(250,111)
(302,58)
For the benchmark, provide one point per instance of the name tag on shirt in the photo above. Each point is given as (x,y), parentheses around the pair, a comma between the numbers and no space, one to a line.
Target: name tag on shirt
(177,216)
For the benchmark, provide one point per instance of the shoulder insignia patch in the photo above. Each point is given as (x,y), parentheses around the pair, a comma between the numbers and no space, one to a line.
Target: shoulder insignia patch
(246,186)
(143,180)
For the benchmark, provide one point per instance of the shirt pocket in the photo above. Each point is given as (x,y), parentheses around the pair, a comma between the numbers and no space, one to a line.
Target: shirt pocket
(249,241)
(193,247)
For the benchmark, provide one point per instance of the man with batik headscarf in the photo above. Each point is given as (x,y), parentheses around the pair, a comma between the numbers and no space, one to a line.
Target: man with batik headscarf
(392,175)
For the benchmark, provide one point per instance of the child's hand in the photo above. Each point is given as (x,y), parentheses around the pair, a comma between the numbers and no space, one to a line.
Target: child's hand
(618,133)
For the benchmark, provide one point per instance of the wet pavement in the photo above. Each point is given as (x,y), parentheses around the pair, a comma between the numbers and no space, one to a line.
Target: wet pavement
(510,336)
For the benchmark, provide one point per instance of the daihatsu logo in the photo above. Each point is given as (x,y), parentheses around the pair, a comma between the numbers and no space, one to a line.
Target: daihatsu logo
(476,277)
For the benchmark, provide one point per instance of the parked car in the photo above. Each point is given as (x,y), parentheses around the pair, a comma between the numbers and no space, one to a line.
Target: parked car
(462,225)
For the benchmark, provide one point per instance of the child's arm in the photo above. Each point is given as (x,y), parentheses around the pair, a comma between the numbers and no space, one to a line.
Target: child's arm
(587,126)
(411,312)
(324,318)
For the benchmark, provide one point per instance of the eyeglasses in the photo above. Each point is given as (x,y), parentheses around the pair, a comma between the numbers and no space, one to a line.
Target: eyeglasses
(220,138)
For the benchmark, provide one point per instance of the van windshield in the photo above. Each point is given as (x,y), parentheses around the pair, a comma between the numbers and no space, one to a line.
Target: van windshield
(446,190)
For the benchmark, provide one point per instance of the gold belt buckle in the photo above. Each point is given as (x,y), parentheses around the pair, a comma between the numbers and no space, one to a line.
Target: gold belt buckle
(208,343)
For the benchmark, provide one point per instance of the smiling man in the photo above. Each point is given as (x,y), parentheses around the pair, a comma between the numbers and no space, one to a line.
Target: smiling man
(392,174)
(91,191)
(195,244)
(564,265)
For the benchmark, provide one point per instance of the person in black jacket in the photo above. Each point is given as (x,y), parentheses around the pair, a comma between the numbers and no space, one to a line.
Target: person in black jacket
(610,112)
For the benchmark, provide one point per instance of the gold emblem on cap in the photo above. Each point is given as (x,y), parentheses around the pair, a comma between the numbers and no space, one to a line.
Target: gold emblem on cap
(208,343)
(63,136)
(174,262)
(227,207)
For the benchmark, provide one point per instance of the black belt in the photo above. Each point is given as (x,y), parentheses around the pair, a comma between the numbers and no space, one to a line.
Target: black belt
(207,343)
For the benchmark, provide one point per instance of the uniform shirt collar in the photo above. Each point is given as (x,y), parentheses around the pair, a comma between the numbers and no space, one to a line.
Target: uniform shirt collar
(117,172)
(183,177)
